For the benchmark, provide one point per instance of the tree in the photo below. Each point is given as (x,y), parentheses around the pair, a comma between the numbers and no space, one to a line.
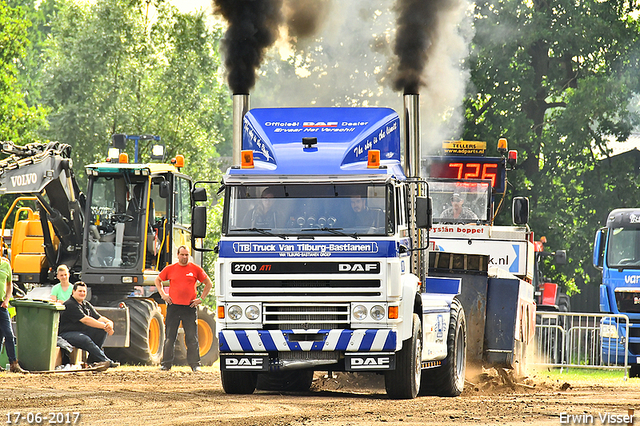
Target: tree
(556,79)
(112,69)
(40,14)
(18,121)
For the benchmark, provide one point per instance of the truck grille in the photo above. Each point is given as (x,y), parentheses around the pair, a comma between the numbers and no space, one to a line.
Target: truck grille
(628,301)
(304,287)
(300,316)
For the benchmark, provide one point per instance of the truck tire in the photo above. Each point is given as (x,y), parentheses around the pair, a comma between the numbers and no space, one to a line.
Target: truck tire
(207,340)
(285,381)
(448,379)
(404,381)
(564,303)
(238,382)
(146,334)
(207,336)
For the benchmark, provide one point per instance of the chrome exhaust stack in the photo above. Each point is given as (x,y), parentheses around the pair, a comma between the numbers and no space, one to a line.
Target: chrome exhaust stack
(412,169)
(240,108)
(412,150)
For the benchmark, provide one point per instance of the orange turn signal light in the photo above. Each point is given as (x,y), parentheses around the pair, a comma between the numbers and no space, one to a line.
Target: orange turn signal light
(220,312)
(374,159)
(393,312)
(123,158)
(247,159)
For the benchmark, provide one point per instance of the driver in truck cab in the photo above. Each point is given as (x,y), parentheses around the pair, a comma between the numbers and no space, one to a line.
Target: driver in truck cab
(458,210)
(361,215)
(263,215)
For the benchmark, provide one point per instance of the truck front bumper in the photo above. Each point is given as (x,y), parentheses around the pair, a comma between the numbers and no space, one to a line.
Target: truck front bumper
(365,340)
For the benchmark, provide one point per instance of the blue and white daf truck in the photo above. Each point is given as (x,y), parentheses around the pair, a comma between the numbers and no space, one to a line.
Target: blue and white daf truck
(616,251)
(322,260)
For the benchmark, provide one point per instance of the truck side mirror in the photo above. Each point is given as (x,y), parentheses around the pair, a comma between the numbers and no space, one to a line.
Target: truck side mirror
(199,222)
(424,213)
(598,248)
(165,189)
(561,257)
(520,210)
(198,195)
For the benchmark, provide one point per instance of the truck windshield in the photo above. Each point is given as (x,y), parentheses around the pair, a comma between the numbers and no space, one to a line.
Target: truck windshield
(624,247)
(292,210)
(460,202)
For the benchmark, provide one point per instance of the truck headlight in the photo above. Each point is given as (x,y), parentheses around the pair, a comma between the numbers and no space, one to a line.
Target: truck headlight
(609,331)
(377,312)
(359,312)
(252,312)
(235,312)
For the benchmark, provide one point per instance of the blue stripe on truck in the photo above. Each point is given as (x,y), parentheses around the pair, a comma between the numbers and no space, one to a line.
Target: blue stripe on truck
(333,340)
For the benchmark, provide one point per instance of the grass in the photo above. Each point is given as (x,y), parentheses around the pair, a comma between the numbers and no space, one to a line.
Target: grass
(585,375)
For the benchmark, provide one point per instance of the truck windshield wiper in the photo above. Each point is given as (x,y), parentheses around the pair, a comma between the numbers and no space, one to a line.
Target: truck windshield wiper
(263,231)
(334,231)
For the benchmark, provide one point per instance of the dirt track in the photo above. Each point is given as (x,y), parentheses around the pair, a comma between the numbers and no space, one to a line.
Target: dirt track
(144,396)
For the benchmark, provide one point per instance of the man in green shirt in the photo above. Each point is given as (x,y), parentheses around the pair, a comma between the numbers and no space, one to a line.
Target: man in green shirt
(6,332)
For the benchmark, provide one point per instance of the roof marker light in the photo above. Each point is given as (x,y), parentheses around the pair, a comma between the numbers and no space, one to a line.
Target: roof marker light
(374,159)
(512,157)
(178,161)
(247,159)
(502,145)
(309,142)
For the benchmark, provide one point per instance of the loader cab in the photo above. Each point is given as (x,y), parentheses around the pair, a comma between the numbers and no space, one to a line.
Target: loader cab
(136,215)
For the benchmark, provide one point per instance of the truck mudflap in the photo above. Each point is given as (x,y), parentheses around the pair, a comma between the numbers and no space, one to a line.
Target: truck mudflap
(258,362)
(369,361)
(377,340)
(510,321)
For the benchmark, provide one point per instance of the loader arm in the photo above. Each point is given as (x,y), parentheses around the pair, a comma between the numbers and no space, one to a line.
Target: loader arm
(44,170)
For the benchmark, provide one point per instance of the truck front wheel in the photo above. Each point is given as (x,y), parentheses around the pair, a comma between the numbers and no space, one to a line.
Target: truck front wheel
(238,382)
(448,379)
(404,381)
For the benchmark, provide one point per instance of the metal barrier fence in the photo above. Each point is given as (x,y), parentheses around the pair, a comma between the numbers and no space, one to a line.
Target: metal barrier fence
(585,340)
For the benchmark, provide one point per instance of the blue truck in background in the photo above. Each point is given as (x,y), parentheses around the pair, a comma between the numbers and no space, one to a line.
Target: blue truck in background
(617,253)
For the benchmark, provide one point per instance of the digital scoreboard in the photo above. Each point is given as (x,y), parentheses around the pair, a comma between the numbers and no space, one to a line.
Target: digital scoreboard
(462,167)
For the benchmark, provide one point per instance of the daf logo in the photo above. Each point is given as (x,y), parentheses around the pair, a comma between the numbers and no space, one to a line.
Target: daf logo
(357,267)
(380,362)
(320,124)
(248,362)
(22,180)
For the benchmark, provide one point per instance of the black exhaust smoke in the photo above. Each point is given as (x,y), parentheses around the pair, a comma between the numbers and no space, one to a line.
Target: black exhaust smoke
(253,27)
(417,27)
(305,17)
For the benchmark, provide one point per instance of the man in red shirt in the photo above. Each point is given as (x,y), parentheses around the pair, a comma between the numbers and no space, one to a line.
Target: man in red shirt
(181,306)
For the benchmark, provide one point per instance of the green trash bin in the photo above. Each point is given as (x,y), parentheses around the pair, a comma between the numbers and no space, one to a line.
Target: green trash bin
(37,333)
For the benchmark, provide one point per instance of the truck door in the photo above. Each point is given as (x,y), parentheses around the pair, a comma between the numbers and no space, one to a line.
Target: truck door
(181,234)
